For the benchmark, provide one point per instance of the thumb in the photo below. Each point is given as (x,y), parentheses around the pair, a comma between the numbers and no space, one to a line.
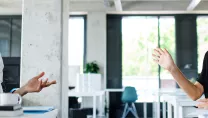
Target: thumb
(166,51)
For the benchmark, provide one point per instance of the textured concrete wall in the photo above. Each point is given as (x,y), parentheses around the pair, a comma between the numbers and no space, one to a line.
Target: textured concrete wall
(41,41)
(43,32)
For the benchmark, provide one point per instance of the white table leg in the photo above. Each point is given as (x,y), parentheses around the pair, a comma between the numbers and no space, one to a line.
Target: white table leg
(164,109)
(94,106)
(169,110)
(180,111)
(101,106)
(145,109)
(154,109)
(176,111)
(158,107)
(108,103)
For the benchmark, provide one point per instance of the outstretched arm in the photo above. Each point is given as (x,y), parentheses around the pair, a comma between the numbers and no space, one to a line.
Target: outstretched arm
(34,85)
(164,59)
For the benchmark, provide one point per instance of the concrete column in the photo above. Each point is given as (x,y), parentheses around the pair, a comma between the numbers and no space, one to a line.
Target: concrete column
(96,46)
(44,48)
(96,40)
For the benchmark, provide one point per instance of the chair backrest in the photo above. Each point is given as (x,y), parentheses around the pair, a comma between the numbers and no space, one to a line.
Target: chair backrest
(129,95)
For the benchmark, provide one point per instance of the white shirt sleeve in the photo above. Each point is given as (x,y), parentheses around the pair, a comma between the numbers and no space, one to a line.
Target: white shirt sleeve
(1,72)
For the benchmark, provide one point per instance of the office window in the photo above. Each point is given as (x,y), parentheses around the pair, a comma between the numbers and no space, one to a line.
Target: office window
(140,35)
(202,32)
(139,38)
(76,41)
(167,40)
(10,36)
(5,37)
(16,38)
(10,49)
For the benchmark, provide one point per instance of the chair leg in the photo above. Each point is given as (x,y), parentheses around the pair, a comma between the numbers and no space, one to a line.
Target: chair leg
(125,111)
(134,111)
(128,110)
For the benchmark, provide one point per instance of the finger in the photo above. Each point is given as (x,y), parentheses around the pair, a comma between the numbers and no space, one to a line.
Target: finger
(155,56)
(203,100)
(50,83)
(166,51)
(156,61)
(44,83)
(40,75)
(160,50)
(202,105)
(156,52)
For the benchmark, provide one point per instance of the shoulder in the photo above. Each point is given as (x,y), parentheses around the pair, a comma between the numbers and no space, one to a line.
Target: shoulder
(206,55)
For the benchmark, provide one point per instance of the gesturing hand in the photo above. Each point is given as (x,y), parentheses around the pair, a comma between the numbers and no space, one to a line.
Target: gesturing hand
(36,85)
(203,104)
(163,58)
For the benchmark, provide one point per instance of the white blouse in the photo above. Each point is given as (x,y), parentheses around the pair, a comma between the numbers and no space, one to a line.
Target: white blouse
(1,73)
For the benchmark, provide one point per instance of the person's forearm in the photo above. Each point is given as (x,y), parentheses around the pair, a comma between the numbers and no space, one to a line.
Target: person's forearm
(21,91)
(185,84)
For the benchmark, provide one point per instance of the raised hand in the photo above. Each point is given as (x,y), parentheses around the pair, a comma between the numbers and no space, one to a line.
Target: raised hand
(163,58)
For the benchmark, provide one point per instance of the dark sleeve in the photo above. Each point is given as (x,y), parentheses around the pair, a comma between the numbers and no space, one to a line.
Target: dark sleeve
(204,72)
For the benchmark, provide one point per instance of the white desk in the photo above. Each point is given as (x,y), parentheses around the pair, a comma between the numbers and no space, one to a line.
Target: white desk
(182,105)
(51,114)
(165,92)
(158,94)
(201,113)
(94,95)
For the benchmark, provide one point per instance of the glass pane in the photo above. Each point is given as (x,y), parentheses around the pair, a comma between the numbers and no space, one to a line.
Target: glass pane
(202,32)
(139,38)
(16,38)
(5,37)
(167,40)
(76,41)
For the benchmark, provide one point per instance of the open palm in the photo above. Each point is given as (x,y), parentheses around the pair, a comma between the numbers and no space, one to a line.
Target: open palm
(163,58)
(36,85)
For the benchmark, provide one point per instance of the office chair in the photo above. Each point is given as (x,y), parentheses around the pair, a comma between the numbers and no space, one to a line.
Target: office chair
(129,96)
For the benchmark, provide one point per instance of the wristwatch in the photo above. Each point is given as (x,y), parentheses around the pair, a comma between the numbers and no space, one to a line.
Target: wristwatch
(13,90)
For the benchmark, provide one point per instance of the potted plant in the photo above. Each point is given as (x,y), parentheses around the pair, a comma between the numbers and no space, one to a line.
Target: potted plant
(91,67)
(91,79)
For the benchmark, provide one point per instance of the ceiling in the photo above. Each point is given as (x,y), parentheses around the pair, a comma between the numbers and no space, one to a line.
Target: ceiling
(8,6)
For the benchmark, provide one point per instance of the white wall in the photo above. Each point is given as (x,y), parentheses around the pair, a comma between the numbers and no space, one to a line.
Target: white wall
(73,71)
